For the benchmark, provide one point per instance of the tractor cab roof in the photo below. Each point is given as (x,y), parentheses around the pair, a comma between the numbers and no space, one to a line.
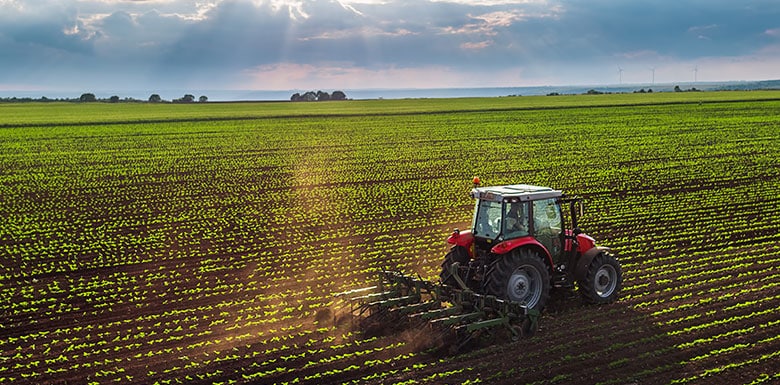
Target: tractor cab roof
(514,193)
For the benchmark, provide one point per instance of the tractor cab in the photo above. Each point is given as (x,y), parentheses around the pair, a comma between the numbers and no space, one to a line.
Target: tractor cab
(518,212)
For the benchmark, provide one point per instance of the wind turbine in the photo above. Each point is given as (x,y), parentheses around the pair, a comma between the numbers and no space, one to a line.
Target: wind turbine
(620,74)
(695,73)
(652,69)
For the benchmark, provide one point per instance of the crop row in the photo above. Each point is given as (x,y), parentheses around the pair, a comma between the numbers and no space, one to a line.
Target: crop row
(207,251)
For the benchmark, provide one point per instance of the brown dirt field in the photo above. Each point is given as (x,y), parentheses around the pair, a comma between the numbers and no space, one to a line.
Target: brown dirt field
(221,270)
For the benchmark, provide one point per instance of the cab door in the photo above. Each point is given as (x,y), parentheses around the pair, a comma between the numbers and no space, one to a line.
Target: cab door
(547,226)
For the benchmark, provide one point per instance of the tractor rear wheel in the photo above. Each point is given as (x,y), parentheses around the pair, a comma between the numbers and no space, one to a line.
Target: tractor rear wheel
(603,280)
(520,276)
(457,254)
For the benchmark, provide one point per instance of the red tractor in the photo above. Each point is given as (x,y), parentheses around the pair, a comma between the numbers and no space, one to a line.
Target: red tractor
(500,272)
(518,248)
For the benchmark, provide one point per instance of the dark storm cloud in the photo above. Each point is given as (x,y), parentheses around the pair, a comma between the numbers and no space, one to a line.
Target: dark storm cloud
(57,30)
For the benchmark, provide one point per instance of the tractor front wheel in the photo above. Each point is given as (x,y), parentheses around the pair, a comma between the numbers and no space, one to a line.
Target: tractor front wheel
(520,276)
(603,280)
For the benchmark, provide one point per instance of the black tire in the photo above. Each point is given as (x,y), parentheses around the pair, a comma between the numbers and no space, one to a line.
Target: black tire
(603,280)
(520,276)
(457,254)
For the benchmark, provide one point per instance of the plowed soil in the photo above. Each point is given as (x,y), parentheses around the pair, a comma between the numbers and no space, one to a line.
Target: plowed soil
(208,251)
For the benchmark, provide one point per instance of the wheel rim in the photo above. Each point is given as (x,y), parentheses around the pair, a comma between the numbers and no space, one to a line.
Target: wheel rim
(605,281)
(524,286)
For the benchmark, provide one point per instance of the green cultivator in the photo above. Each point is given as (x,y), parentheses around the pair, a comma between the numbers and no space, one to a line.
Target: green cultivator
(456,316)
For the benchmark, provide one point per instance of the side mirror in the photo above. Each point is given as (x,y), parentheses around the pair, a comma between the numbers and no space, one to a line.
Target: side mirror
(577,210)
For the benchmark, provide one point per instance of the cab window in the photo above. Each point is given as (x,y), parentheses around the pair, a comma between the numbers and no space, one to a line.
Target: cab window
(515,219)
(547,224)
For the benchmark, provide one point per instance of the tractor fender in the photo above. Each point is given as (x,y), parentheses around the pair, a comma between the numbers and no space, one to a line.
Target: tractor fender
(461,238)
(584,261)
(507,246)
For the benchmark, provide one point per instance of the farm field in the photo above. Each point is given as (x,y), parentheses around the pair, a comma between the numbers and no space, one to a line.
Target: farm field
(200,244)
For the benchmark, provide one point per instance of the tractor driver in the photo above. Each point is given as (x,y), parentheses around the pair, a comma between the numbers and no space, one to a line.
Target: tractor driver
(516,220)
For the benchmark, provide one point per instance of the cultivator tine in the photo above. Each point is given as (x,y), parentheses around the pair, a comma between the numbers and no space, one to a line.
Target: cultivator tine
(395,301)
(374,296)
(458,319)
(417,308)
(355,291)
(438,313)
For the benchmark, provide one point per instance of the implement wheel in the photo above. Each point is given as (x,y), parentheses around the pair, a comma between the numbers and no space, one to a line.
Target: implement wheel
(603,280)
(520,276)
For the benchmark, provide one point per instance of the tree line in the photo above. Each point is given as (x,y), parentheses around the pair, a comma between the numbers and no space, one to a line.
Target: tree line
(89,97)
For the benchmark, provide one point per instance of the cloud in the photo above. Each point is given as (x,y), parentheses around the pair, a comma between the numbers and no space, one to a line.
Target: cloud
(486,24)
(476,46)
(236,43)
(57,29)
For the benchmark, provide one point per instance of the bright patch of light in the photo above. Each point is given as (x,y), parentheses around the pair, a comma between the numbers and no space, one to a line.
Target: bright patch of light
(71,31)
(203,8)
(294,8)
(488,23)
(349,7)
(285,76)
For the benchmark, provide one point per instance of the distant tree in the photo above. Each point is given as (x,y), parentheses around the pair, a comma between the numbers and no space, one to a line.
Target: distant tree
(88,97)
(114,99)
(677,89)
(338,95)
(312,96)
(154,98)
(203,99)
(187,98)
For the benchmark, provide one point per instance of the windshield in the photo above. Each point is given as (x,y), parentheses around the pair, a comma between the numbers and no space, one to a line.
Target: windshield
(487,220)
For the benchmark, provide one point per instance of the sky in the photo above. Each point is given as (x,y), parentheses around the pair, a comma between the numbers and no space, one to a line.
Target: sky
(375,44)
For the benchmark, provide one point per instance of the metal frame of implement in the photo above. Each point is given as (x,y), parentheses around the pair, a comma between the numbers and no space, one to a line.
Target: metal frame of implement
(400,298)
